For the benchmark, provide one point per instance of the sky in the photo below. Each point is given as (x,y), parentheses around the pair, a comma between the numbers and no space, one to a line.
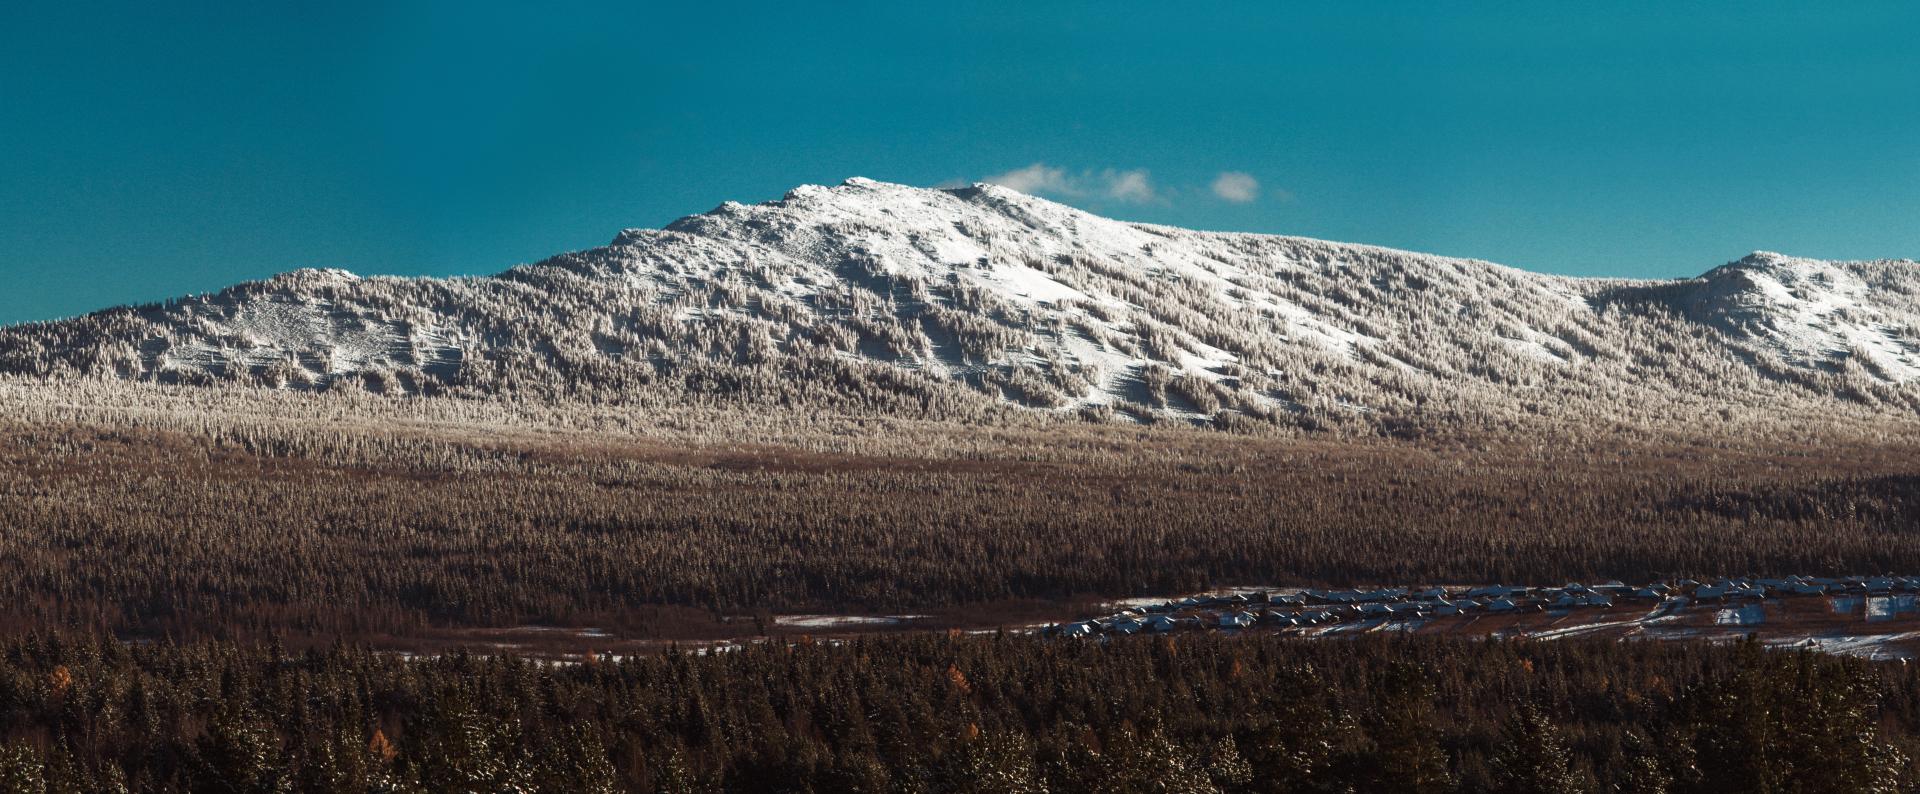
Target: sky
(149,150)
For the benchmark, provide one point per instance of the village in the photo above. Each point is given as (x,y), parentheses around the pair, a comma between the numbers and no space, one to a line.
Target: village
(1860,615)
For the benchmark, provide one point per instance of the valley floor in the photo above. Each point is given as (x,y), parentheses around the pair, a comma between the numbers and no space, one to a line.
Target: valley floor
(1862,623)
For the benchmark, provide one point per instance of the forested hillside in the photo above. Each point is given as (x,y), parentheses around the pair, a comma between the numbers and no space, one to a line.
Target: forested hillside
(180,511)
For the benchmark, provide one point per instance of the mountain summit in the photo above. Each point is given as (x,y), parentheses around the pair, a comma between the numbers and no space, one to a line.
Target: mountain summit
(980,300)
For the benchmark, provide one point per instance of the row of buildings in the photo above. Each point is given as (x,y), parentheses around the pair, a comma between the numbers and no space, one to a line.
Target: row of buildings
(1293,609)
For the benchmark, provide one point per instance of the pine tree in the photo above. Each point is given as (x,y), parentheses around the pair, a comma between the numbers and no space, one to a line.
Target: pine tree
(1533,759)
(1229,771)
(241,753)
(675,776)
(996,763)
(21,770)
(1642,770)
(1407,754)
(1147,762)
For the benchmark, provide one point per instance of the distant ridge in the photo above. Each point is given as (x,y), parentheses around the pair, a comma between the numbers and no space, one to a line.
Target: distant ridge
(970,302)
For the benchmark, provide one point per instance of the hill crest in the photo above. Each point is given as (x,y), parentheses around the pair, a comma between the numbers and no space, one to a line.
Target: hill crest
(969,301)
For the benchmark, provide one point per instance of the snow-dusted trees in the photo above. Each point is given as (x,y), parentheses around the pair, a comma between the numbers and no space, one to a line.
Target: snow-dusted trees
(980,300)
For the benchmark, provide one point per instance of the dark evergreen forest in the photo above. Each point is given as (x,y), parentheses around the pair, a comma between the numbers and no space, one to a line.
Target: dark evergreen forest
(935,713)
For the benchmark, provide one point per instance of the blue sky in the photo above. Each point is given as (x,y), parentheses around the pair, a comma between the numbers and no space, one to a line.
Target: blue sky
(148,151)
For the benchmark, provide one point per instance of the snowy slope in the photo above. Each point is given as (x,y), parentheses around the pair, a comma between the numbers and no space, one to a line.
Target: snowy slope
(1810,313)
(957,302)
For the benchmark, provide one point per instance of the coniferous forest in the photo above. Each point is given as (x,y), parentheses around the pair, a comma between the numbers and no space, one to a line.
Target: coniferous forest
(939,713)
(215,590)
(158,512)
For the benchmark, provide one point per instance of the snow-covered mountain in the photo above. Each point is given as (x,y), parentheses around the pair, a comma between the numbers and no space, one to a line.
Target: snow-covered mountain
(976,300)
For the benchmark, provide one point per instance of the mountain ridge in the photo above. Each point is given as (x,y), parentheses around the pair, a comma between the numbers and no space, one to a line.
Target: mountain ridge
(969,301)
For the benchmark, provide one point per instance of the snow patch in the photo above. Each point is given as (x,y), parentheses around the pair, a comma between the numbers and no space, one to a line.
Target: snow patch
(1026,282)
(818,622)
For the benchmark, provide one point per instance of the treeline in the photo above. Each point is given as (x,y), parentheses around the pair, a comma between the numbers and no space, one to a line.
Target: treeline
(963,714)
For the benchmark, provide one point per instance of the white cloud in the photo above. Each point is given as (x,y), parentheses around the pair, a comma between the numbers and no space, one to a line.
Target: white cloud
(1236,186)
(1132,186)
(1129,186)
(1037,179)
